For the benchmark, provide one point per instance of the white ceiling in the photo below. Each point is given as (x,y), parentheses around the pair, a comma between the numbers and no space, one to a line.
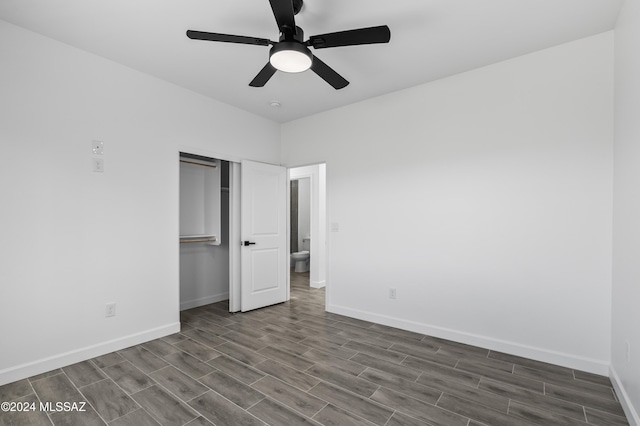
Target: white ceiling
(430,39)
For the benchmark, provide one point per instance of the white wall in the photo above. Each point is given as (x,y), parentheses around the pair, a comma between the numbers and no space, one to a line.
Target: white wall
(485,199)
(626,227)
(73,240)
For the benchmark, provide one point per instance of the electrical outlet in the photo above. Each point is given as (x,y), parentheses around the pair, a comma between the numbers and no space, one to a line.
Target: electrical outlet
(110,310)
(392,293)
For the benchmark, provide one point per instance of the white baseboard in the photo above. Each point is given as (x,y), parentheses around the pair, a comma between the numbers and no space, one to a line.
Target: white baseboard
(632,413)
(190,304)
(318,284)
(552,357)
(40,366)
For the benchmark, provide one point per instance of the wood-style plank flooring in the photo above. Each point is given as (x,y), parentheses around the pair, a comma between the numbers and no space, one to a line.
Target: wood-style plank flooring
(295,364)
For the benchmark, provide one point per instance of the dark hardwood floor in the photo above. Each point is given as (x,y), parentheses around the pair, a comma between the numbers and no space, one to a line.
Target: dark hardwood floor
(295,364)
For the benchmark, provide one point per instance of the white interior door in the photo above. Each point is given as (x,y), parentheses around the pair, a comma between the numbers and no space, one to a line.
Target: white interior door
(263,223)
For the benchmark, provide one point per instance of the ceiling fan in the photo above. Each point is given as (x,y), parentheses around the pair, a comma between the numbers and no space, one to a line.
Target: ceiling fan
(291,54)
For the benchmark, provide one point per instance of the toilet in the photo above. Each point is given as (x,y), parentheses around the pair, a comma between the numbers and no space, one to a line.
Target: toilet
(301,260)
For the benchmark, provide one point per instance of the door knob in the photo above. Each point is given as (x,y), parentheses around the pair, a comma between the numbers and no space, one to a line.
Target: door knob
(248,243)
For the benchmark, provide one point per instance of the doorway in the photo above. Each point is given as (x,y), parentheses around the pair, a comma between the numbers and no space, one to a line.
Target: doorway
(233,233)
(308,222)
(237,249)
(204,230)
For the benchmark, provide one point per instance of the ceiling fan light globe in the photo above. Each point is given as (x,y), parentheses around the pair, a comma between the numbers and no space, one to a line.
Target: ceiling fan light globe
(290,57)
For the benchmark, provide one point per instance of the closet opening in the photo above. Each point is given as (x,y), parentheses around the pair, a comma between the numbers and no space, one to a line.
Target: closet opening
(204,230)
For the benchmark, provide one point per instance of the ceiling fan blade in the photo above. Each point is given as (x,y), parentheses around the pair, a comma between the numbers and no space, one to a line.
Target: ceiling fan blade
(371,35)
(283,12)
(263,76)
(227,38)
(328,74)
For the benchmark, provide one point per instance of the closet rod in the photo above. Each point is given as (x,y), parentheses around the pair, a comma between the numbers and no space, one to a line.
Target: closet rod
(198,240)
(213,166)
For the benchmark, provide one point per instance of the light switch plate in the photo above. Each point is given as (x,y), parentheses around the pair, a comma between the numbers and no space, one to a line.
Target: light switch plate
(97,147)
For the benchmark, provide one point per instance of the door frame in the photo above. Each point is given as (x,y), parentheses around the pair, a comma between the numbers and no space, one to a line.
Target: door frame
(234,237)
